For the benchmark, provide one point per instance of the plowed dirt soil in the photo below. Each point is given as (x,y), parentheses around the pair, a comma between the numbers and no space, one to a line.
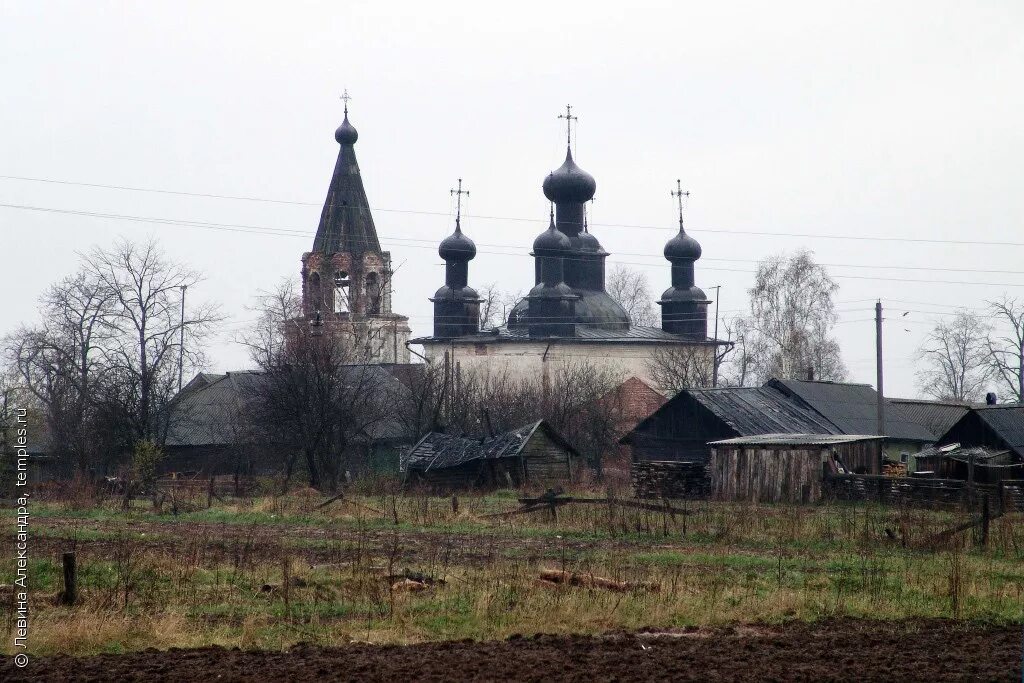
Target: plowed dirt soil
(836,650)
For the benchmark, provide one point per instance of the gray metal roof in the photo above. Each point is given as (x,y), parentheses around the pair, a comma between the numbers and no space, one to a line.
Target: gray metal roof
(1007,421)
(583,333)
(796,440)
(853,408)
(935,416)
(210,410)
(761,410)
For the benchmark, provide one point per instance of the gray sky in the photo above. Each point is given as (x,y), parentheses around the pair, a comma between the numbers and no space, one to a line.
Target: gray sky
(868,119)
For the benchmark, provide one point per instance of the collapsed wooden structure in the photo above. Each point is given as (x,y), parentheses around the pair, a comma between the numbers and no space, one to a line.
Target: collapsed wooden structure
(532,454)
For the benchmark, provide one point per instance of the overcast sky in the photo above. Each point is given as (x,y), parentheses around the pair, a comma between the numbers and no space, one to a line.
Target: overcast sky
(818,119)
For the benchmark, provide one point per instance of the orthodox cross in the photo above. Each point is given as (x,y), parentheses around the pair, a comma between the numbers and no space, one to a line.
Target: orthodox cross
(458,201)
(569,118)
(679,193)
(346,97)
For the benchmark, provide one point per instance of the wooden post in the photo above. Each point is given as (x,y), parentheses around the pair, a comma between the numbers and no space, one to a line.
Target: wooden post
(986,517)
(70,594)
(209,492)
(455,505)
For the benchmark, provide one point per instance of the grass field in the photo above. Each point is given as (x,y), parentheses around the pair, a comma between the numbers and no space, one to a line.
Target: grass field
(270,572)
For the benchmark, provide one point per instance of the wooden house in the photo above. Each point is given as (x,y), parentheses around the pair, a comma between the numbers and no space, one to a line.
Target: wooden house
(682,428)
(787,468)
(532,454)
(999,427)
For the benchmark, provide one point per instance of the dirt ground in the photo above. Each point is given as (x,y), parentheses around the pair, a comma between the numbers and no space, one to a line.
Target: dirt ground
(837,650)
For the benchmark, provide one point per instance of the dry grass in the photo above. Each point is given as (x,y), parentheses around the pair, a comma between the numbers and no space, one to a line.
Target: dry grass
(273,571)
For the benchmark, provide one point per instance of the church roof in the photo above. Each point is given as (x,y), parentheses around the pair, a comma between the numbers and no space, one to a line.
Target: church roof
(636,334)
(345,222)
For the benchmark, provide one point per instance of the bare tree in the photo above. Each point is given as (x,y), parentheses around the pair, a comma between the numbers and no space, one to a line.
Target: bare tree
(496,306)
(956,360)
(154,332)
(314,399)
(61,362)
(632,290)
(675,368)
(1005,346)
(791,318)
(737,363)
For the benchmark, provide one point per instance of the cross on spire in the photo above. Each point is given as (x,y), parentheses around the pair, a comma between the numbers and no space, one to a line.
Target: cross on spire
(569,118)
(345,97)
(458,202)
(679,193)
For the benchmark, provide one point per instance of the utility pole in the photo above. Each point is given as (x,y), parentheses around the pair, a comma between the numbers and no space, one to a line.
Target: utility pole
(878,365)
(714,369)
(181,340)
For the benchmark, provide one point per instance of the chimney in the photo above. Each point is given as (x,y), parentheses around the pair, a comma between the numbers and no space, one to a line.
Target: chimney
(810,373)
(990,398)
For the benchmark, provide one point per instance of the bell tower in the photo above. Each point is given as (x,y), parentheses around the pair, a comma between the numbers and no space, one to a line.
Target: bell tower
(346,277)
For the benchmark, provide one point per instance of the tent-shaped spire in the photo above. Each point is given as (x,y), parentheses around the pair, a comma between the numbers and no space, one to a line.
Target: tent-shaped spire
(345,223)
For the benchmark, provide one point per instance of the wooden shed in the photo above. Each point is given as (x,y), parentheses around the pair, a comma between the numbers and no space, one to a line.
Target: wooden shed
(534,454)
(787,468)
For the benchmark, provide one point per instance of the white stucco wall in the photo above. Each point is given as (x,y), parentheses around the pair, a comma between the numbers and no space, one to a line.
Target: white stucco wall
(527,359)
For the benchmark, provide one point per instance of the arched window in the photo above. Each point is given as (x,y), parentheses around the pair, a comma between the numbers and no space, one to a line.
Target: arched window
(341,293)
(373,293)
(316,295)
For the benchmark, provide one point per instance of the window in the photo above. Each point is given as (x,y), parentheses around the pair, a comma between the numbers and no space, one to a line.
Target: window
(341,283)
(373,293)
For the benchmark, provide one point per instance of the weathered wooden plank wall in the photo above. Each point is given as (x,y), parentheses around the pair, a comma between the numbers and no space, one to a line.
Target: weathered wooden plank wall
(767,475)
(547,462)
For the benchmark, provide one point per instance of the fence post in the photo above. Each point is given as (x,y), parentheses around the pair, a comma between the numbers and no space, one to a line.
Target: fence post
(986,517)
(70,594)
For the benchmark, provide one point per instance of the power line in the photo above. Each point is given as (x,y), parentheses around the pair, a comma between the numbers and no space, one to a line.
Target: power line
(923,240)
(290,232)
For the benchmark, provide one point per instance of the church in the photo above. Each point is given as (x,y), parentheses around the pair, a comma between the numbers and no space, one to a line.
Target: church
(568,315)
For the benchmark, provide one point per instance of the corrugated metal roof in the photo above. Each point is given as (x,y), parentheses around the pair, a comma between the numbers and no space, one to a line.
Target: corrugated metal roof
(853,408)
(761,410)
(796,440)
(935,416)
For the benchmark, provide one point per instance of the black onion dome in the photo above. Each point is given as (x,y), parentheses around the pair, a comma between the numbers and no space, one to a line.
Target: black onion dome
(346,133)
(682,246)
(551,240)
(457,247)
(584,241)
(569,183)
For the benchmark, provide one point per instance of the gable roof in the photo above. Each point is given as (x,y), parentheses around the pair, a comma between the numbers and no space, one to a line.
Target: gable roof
(852,408)
(437,450)
(935,416)
(1007,422)
(754,410)
(209,411)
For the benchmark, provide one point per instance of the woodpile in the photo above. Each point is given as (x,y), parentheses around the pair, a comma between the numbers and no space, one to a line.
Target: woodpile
(669,479)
